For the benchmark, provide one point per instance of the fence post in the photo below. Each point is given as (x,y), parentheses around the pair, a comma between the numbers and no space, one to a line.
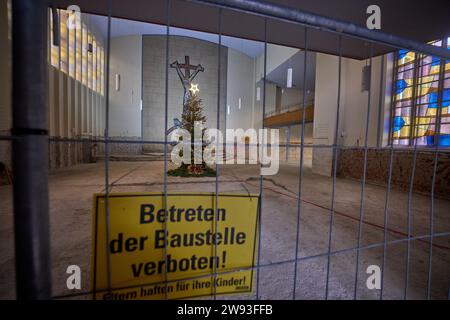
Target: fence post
(30,148)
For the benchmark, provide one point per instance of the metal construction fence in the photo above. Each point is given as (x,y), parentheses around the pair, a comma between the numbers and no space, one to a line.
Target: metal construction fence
(30,142)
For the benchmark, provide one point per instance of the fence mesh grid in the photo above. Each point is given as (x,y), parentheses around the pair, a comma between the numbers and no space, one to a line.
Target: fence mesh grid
(336,147)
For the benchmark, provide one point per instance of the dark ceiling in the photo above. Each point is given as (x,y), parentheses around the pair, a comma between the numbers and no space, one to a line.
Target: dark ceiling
(417,20)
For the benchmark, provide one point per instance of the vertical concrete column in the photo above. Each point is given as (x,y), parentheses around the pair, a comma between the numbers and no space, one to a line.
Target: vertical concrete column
(325,107)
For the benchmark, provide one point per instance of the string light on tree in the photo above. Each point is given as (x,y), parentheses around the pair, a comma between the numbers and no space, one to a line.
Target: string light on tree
(192,114)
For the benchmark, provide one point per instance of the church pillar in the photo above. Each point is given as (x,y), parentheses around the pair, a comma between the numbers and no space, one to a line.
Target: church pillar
(325,111)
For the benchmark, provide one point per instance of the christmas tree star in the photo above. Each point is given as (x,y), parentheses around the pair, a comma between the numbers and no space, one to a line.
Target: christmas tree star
(194,88)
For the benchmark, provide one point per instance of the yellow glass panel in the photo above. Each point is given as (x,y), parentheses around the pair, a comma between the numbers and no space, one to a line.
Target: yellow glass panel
(71,31)
(424,130)
(102,72)
(431,111)
(99,69)
(54,51)
(419,131)
(63,43)
(427,88)
(426,79)
(423,120)
(78,47)
(405,94)
(89,62)
(94,65)
(409,57)
(84,54)
(404,132)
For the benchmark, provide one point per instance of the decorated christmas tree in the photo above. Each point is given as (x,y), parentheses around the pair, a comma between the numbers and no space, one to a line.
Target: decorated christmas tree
(193,112)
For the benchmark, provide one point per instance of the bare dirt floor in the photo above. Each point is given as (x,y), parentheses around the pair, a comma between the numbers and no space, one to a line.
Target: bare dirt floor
(72,189)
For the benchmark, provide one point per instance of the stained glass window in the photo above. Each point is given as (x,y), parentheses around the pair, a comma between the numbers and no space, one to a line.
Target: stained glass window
(102,71)
(78,51)
(72,39)
(80,54)
(54,53)
(421,99)
(63,41)
(89,60)
(94,64)
(99,66)
(84,62)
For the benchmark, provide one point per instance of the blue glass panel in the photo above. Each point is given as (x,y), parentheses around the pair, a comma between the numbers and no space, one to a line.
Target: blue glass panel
(444,140)
(430,140)
(401,85)
(435,61)
(433,98)
(446,95)
(398,123)
(402,53)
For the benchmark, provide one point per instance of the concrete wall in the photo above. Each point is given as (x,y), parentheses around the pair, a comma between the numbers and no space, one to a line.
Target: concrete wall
(125,103)
(270,101)
(153,62)
(356,104)
(325,106)
(240,85)
(125,117)
(276,55)
(353,106)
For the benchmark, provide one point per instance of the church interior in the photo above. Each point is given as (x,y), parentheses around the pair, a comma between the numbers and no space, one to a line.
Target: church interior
(364,136)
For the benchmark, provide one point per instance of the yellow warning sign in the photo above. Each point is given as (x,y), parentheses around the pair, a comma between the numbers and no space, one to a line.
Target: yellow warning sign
(189,249)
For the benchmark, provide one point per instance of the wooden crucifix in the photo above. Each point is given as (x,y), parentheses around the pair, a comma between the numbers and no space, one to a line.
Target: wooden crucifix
(186,77)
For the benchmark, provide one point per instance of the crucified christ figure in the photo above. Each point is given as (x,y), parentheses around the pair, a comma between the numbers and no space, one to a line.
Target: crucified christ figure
(186,77)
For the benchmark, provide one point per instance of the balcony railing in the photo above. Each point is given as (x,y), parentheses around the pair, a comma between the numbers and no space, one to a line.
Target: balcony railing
(289,108)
